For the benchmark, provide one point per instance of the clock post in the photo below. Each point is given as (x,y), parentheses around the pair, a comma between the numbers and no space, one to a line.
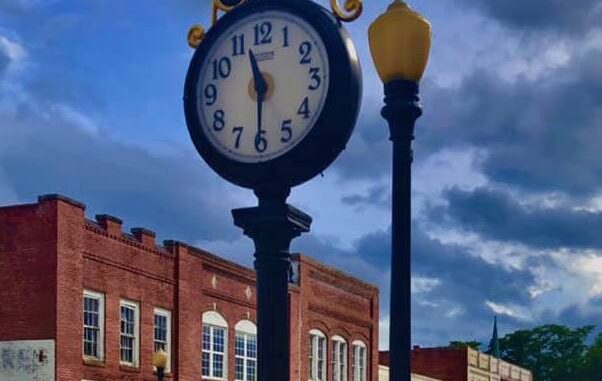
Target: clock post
(271,99)
(272,225)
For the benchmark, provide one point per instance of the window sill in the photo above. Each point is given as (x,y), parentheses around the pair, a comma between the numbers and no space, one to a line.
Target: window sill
(129,368)
(94,362)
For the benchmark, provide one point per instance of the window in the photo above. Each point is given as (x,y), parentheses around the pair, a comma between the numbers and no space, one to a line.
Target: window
(317,356)
(130,321)
(163,334)
(215,339)
(359,361)
(94,325)
(339,359)
(245,353)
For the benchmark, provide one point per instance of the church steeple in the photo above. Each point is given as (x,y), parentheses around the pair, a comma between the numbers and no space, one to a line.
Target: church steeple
(494,344)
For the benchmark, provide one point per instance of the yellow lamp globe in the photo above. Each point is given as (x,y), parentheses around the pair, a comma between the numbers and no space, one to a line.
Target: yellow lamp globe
(160,359)
(400,43)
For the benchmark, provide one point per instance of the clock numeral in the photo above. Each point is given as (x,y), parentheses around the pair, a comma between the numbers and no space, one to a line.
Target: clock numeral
(287,131)
(263,33)
(219,120)
(238,45)
(210,94)
(305,52)
(238,132)
(315,77)
(285,33)
(261,143)
(304,108)
(222,68)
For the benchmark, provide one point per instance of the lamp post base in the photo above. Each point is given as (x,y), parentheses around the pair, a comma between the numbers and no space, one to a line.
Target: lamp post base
(401,110)
(272,225)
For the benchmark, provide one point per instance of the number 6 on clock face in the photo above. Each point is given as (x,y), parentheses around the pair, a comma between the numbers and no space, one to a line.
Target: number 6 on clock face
(262,86)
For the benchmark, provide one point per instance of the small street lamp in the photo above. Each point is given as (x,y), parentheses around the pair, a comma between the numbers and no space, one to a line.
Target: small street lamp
(400,43)
(159,362)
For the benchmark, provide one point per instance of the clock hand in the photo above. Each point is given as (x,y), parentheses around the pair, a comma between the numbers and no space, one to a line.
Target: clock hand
(259,117)
(261,86)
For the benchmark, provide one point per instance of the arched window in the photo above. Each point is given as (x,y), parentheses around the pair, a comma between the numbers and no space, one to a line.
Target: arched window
(214,362)
(317,355)
(358,361)
(245,351)
(339,359)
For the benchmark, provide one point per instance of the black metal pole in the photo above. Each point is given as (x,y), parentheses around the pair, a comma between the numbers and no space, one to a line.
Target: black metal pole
(272,225)
(401,110)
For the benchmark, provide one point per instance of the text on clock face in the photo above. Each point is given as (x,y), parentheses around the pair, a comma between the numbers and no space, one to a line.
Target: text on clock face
(263,86)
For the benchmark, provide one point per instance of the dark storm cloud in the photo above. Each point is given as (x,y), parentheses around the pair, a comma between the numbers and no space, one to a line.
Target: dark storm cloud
(549,15)
(174,195)
(376,196)
(538,136)
(497,215)
(467,282)
(579,316)
(4,61)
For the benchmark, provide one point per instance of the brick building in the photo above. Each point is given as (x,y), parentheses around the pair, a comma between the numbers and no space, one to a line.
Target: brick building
(106,299)
(462,364)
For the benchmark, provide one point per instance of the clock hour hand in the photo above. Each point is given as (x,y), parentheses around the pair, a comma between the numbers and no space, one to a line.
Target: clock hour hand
(261,86)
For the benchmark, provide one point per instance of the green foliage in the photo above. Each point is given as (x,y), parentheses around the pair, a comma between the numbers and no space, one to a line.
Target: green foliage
(463,344)
(555,353)
(592,369)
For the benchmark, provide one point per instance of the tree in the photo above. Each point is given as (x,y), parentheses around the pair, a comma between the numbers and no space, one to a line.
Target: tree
(463,344)
(551,352)
(592,369)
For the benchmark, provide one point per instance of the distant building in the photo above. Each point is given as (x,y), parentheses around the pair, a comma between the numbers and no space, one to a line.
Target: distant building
(82,300)
(463,364)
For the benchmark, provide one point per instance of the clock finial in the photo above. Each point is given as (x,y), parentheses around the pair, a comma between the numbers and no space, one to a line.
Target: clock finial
(353,10)
(196,33)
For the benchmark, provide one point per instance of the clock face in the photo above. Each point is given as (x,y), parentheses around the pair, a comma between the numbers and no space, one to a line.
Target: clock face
(262,86)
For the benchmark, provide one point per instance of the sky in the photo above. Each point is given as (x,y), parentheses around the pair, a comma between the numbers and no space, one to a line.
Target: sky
(507,193)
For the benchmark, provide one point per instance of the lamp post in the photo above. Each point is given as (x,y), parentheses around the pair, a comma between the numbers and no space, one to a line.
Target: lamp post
(400,42)
(159,362)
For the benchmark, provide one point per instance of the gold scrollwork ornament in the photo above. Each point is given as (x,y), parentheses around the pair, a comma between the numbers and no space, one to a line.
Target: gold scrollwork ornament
(353,10)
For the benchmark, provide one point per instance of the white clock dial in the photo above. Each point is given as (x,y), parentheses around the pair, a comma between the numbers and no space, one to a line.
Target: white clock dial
(254,126)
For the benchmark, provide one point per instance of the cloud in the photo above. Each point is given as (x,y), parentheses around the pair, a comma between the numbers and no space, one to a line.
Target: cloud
(173,195)
(450,284)
(377,196)
(542,15)
(10,52)
(497,215)
(543,137)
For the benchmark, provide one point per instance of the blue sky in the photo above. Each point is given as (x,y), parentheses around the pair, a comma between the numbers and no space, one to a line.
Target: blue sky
(508,173)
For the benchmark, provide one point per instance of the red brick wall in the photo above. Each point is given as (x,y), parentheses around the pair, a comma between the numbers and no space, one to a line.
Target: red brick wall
(441,363)
(50,246)
(338,304)
(27,272)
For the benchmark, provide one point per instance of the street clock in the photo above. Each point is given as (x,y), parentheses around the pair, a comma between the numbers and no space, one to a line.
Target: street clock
(272,93)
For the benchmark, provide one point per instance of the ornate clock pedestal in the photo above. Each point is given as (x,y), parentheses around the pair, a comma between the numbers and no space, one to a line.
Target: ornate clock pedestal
(272,225)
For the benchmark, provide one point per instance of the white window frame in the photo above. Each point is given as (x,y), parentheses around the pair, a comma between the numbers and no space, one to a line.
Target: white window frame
(359,370)
(339,349)
(246,329)
(167,314)
(214,321)
(100,297)
(135,336)
(315,336)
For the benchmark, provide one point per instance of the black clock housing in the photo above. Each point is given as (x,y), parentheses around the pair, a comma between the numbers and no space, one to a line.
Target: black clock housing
(333,128)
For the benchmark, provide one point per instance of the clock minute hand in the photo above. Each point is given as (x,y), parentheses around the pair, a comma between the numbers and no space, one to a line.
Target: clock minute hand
(261,87)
